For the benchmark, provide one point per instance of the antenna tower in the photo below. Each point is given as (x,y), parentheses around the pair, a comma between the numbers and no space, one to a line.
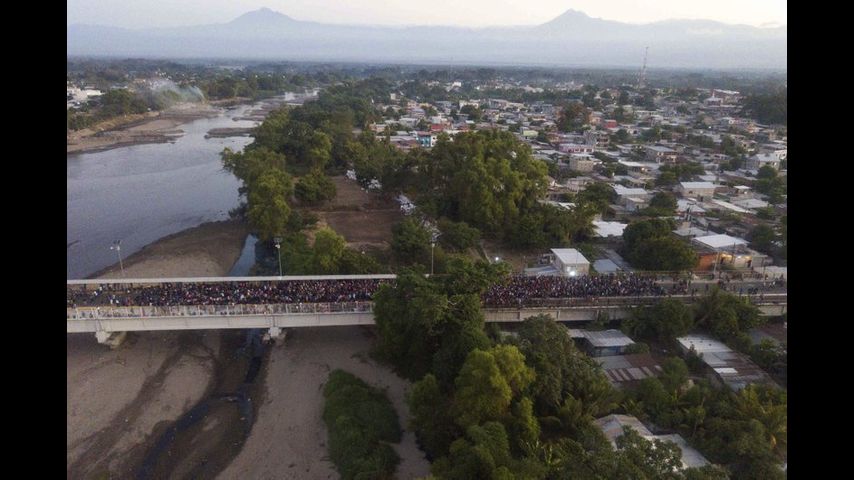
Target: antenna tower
(642,75)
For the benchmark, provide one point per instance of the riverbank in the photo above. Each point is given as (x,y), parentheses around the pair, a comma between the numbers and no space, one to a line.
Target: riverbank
(208,250)
(117,401)
(151,127)
(289,439)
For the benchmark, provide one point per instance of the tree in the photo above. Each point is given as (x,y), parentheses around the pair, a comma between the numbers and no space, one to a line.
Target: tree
(268,210)
(648,460)
(472,111)
(430,416)
(487,179)
(664,321)
(488,382)
(314,188)
(762,238)
(662,204)
(411,241)
(665,254)
(458,235)
(725,314)
(572,117)
(329,249)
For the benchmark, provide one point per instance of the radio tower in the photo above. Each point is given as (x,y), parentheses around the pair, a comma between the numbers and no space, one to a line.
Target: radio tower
(642,75)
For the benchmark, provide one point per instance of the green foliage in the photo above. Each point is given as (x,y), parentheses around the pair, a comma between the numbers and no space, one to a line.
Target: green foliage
(431,419)
(458,235)
(769,108)
(268,203)
(483,453)
(487,179)
(664,201)
(328,250)
(361,422)
(561,369)
(725,314)
(664,321)
(572,117)
(638,347)
(649,245)
(314,188)
(487,382)
(762,238)
(411,242)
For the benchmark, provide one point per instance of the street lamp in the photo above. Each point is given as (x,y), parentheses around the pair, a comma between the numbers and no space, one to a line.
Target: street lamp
(117,246)
(278,241)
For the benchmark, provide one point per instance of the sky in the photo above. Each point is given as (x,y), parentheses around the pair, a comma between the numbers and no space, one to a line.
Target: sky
(471,13)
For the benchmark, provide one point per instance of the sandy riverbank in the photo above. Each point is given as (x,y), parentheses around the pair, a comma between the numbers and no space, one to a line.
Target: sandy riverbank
(289,438)
(208,250)
(116,398)
(151,127)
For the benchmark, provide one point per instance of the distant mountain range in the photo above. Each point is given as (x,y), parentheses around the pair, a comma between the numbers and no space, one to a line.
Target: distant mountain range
(572,39)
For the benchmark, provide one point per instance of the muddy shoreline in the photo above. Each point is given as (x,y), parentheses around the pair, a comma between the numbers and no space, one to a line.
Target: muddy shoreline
(154,127)
(207,250)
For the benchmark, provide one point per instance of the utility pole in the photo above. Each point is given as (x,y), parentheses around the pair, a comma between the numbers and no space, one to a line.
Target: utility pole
(117,246)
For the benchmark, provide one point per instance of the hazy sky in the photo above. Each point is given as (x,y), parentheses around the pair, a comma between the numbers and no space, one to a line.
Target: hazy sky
(474,13)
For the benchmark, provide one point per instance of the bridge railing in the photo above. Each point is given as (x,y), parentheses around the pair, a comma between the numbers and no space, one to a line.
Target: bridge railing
(214,310)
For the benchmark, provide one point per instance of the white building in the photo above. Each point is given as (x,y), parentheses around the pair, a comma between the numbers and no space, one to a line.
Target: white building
(570,262)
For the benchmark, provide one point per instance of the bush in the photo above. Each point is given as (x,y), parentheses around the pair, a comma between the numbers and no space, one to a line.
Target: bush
(361,422)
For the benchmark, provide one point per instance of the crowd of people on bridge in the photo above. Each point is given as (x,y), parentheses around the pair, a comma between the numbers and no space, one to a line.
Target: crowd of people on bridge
(518,291)
(522,290)
(226,293)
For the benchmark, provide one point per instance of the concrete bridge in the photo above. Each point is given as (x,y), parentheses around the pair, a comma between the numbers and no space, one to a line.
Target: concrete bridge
(108,322)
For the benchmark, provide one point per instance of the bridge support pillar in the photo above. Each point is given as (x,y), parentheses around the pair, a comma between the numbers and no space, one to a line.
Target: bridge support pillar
(111,339)
(275,334)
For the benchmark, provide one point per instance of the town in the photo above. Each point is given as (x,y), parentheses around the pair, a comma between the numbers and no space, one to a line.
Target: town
(327,269)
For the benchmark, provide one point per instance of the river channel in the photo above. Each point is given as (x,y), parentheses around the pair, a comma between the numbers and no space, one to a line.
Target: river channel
(141,193)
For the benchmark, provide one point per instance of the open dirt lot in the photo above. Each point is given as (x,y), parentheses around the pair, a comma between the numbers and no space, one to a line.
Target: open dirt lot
(362,218)
(289,438)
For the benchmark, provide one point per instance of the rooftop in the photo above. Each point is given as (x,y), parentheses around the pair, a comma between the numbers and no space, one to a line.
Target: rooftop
(720,241)
(570,256)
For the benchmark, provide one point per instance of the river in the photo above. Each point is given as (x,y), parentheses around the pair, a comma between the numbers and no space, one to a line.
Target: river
(138,194)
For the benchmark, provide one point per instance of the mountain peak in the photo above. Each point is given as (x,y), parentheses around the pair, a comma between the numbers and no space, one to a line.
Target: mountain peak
(262,16)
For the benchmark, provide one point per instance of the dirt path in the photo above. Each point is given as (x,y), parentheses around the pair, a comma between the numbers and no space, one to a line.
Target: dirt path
(289,438)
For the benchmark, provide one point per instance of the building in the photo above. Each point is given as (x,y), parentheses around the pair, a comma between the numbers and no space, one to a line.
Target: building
(602,343)
(569,261)
(696,189)
(659,154)
(612,428)
(582,162)
(427,140)
(625,370)
(758,161)
(597,138)
(575,148)
(727,367)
